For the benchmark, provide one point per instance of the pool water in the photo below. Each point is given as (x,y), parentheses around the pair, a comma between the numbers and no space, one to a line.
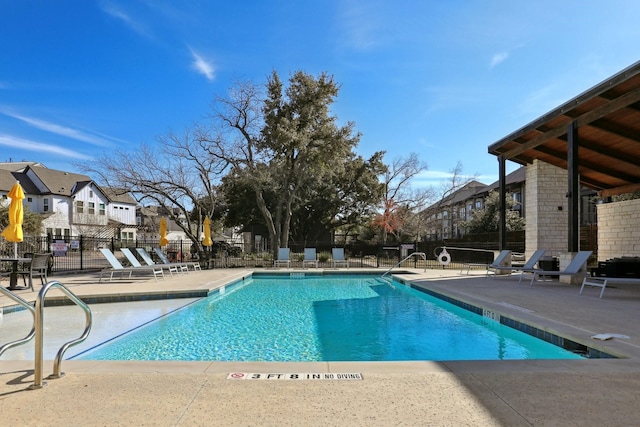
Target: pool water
(324,318)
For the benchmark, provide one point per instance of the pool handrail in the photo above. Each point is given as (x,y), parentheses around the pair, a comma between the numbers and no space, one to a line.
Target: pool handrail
(29,307)
(422,254)
(39,326)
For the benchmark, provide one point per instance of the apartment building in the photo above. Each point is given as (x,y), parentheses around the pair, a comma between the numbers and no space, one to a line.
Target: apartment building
(70,204)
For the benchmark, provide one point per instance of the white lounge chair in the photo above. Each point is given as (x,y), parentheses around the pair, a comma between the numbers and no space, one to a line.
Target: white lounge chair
(337,258)
(172,267)
(310,257)
(574,268)
(116,266)
(135,263)
(283,257)
(498,261)
(184,266)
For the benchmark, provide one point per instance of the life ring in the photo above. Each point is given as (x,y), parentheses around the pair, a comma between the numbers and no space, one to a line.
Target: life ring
(444,258)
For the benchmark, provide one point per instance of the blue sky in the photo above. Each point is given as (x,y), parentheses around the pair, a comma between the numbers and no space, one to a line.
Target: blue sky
(444,79)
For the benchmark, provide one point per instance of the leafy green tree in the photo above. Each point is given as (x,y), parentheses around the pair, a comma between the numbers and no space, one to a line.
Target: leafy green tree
(487,220)
(345,200)
(284,145)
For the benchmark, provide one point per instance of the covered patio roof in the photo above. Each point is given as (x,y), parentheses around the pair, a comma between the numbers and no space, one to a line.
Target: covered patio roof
(606,120)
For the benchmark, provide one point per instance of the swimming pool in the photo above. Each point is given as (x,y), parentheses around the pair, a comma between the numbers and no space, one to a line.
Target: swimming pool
(323,318)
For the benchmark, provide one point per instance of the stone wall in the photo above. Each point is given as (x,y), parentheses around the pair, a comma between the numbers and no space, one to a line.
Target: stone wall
(547,209)
(618,229)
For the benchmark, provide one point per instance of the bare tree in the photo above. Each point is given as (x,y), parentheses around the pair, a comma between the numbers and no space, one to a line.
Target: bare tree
(401,199)
(177,174)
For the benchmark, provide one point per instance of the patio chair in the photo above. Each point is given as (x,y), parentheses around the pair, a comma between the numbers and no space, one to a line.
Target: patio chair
(574,268)
(36,268)
(116,266)
(184,266)
(337,258)
(498,261)
(283,257)
(173,267)
(310,257)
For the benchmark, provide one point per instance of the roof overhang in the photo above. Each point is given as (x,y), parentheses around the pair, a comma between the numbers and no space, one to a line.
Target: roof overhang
(607,117)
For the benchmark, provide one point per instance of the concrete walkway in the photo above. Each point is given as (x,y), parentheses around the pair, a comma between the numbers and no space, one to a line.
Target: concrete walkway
(589,392)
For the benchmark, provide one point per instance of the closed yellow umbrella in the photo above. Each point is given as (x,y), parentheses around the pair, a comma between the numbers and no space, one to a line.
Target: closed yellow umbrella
(163,232)
(13,232)
(207,232)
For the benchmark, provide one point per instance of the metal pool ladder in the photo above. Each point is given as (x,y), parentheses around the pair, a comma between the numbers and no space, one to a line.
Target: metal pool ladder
(422,254)
(38,331)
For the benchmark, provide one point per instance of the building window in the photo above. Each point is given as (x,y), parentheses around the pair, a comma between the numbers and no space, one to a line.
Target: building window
(102,209)
(45,206)
(478,204)
(79,206)
(92,208)
(29,199)
(91,194)
(517,197)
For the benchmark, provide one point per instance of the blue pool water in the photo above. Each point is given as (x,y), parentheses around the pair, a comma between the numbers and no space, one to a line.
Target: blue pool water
(324,318)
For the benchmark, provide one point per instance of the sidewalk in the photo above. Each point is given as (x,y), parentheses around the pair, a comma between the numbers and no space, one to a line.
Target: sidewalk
(476,393)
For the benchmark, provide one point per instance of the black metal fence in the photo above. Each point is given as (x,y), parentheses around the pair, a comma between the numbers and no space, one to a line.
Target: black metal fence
(81,253)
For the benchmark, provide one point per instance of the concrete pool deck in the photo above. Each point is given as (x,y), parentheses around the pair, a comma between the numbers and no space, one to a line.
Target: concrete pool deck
(603,392)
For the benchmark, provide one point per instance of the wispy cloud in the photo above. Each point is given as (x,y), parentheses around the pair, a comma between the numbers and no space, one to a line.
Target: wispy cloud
(360,24)
(118,13)
(498,58)
(59,130)
(25,144)
(202,65)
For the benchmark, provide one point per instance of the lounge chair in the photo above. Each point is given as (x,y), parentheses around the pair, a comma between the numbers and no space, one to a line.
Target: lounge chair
(310,257)
(181,265)
(283,257)
(500,259)
(574,268)
(117,267)
(530,264)
(135,263)
(603,281)
(337,258)
(175,267)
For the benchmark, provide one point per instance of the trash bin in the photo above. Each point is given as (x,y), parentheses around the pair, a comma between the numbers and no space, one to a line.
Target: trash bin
(548,263)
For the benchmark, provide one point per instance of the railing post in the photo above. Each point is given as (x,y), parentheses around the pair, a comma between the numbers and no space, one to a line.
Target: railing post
(39,347)
(81,252)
